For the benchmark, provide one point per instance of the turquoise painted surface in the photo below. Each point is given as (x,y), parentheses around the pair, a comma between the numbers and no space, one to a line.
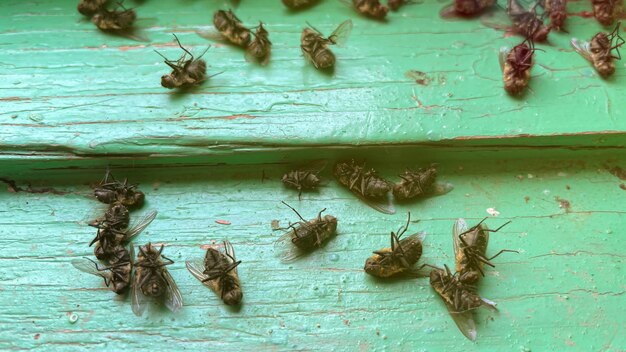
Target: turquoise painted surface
(564,291)
(69,89)
(73,101)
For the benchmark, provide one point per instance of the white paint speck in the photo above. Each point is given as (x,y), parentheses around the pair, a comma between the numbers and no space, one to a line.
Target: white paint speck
(493,212)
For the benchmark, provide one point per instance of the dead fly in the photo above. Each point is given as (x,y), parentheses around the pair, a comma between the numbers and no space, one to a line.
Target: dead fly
(305,236)
(260,48)
(230,29)
(419,183)
(315,47)
(398,258)
(90,7)
(110,236)
(116,216)
(606,11)
(365,184)
(526,22)
(299,4)
(557,11)
(185,72)
(470,247)
(516,65)
(218,272)
(369,8)
(111,191)
(600,51)
(151,279)
(114,20)
(466,8)
(460,299)
(117,275)
(305,178)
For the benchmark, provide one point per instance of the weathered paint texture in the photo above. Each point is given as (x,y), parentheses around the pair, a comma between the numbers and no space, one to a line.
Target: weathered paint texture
(73,100)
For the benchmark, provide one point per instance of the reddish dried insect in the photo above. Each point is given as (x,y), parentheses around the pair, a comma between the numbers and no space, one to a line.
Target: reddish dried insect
(370,8)
(466,8)
(600,50)
(516,65)
(526,22)
(606,11)
(557,11)
(299,4)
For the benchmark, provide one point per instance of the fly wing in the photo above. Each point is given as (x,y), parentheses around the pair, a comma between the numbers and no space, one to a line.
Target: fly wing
(441,188)
(582,47)
(138,300)
(464,321)
(212,34)
(341,34)
(196,268)
(502,55)
(285,249)
(448,12)
(140,225)
(383,205)
(87,266)
(460,226)
(173,298)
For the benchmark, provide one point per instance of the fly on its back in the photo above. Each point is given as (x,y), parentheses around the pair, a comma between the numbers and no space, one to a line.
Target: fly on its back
(369,8)
(315,47)
(606,11)
(185,72)
(218,271)
(152,279)
(527,23)
(599,51)
(516,65)
(365,183)
(90,7)
(231,28)
(111,191)
(399,257)
(305,236)
(305,178)
(470,248)
(114,20)
(117,275)
(260,48)
(460,299)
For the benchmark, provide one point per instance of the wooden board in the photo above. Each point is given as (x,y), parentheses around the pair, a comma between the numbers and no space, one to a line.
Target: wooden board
(74,101)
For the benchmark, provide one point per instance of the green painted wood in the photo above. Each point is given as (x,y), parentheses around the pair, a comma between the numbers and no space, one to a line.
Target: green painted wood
(564,291)
(73,101)
(76,91)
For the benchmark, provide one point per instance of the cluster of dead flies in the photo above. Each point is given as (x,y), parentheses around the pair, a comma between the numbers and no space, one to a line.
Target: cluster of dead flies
(458,290)
(146,275)
(529,21)
(516,63)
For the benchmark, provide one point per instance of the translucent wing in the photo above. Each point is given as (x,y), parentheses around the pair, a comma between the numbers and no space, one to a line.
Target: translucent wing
(464,321)
(342,33)
(582,47)
(419,235)
(285,249)
(212,34)
(87,266)
(383,205)
(460,226)
(138,300)
(173,298)
(141,225)
(196,268)
(441,188)
(502,55)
